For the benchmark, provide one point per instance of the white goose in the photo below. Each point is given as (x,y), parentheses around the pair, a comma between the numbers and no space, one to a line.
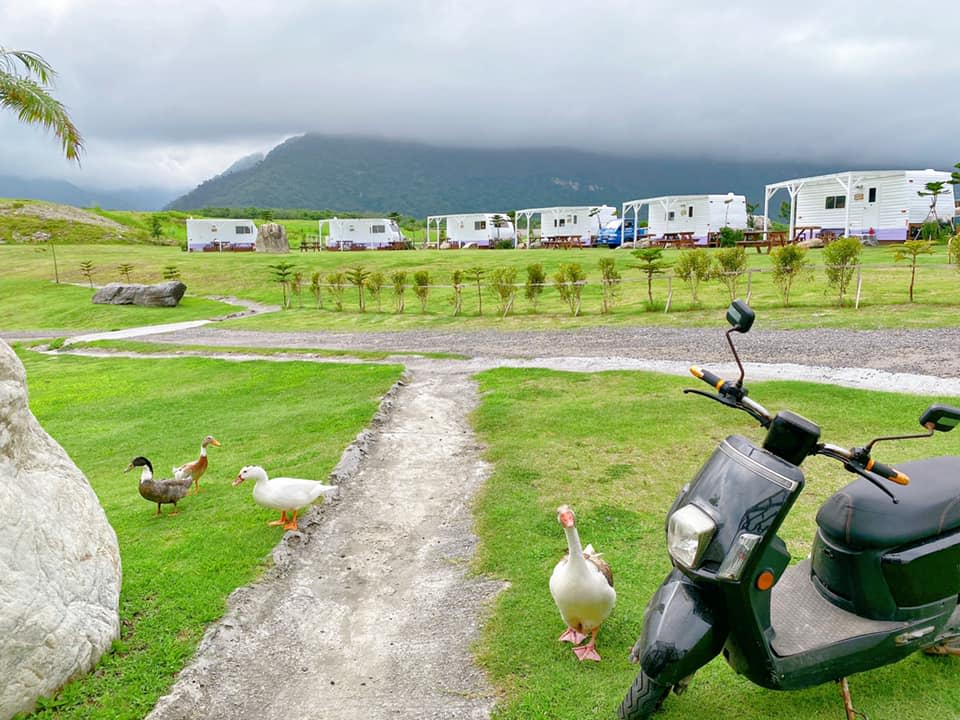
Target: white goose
(582,588)
(283,493)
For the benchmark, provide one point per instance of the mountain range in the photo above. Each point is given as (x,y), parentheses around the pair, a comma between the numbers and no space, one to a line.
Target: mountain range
(61,191)
(362,174)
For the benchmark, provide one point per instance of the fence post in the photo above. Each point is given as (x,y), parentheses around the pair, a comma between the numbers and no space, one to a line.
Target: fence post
(749,285)
(856,305)
(669,293)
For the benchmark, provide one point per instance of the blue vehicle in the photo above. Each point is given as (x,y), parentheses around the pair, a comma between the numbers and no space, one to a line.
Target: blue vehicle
(612,234)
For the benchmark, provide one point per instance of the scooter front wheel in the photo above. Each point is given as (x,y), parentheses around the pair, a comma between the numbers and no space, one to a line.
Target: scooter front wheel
(643,698)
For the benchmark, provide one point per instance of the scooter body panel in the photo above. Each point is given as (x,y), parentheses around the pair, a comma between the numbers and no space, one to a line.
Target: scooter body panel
(682,630)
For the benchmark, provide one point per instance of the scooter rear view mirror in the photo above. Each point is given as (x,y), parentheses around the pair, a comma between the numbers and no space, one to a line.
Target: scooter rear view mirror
(942,418)
(740,316)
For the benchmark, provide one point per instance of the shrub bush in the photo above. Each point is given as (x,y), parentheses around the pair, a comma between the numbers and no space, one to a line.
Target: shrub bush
(841,258)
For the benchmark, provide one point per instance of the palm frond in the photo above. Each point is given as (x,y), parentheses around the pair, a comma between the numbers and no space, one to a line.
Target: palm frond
(33,63)
(33,104)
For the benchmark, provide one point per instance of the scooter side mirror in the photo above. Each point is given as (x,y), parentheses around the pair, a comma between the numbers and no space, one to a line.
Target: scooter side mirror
(942,418)
(740,316)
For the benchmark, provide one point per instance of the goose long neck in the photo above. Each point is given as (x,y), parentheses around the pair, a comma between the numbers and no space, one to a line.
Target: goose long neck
(573,542)
(146,474)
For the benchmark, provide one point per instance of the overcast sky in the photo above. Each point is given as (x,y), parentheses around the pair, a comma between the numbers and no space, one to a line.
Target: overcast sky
(169,93)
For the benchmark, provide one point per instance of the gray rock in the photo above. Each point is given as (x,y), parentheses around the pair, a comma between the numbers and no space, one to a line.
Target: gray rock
(59,557)
(166,294)
(272,238)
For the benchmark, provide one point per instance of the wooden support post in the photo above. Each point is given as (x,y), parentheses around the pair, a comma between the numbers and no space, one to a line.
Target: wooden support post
(859,286)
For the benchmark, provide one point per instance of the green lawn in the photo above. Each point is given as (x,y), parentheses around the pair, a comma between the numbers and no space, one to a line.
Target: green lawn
(293,418)
(27,271)
(617,447)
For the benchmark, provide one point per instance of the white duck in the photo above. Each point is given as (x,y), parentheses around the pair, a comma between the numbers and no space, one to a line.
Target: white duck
(582,588)
(283,493)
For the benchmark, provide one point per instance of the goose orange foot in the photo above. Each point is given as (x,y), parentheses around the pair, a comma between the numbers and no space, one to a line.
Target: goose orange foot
(572,636)
(292,524)
(588,651)
(282,521)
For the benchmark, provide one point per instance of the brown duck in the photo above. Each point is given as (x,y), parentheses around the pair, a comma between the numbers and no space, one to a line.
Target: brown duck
(198,467)
(162,492)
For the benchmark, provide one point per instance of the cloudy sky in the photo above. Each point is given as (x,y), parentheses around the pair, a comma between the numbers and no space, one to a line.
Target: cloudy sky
(170,92)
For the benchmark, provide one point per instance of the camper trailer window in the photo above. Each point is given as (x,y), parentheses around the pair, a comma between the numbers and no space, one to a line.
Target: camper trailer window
(835,202)
(562,222)
(243,230)
(872,195)
(376,229)
(480,225)
(574,221)
(690,211)
(671,215)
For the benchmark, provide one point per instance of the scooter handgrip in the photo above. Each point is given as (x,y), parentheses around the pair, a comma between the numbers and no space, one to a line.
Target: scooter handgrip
(890,473)
(708,377)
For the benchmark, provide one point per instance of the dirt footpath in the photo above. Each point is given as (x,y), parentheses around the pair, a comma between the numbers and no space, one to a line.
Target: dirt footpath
(371,611)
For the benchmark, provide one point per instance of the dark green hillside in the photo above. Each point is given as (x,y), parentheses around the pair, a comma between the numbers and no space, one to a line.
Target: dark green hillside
(364,174)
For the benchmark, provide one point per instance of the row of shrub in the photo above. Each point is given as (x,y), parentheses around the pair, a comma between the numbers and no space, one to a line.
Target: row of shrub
(693,267)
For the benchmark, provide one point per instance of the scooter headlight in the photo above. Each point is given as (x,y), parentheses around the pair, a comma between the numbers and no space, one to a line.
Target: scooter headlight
(688,533)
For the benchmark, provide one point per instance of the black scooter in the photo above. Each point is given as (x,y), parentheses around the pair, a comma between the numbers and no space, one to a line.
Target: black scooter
(882,581)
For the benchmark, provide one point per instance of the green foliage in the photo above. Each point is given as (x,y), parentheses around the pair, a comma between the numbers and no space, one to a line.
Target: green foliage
(933,190)
(399,280)
(171,272)
(609,284)
(375,283)
(124,269)
(336,284)
(421,287)
(953,250)
(934,231)
(536,280)
(86,269)
(296,287)
(503,286)
(316,288)
(789,263)
(784,212)
(456,280)
(476,274)
(650,263)
(841,258)
(693,267)
(358,277)
(282,273)
(909,251)
(569,281)
(156,227)
(729,265)
(503,244)
(730,237)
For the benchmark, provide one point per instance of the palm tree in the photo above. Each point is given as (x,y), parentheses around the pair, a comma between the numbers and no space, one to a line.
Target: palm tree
(25,82)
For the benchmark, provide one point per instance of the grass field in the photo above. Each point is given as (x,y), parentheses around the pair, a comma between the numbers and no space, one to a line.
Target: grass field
(617,447)
(28,270)
(179,570)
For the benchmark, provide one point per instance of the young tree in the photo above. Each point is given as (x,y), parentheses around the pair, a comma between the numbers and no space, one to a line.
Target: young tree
(456,279)
(296,286)
(503,286)
(375,284)
(336,284)
(569,281)
(171,272)
(316,289)
(650,263)
(789,263)
(609,284)
(933,190)
(910,250)
(399,280)
(358,276)
(25,83)
(282,274)
(693,267)
(751,214)
(125,269)
(156,227)
(729,265)
(86,269)
(476,275)
(536,280)
(841,258)
(953,250)
(421,287)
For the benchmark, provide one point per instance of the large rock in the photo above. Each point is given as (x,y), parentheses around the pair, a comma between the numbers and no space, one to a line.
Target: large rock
(59,559)
(272,238)
(166,294)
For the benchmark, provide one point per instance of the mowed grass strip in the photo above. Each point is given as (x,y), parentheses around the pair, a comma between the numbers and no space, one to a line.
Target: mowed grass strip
(248,275)
(617,447)
(293,418)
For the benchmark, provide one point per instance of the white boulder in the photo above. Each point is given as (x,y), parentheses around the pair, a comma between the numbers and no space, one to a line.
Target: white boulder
(59,558)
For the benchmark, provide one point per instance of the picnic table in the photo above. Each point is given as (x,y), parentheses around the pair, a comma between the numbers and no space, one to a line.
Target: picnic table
(762,238)
(805,232)
(674,239)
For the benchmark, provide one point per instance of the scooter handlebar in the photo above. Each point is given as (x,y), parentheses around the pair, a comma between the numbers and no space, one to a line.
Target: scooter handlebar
(888,472)
(711,379)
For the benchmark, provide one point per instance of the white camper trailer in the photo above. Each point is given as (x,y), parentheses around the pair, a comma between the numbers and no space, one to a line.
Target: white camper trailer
(573,225)
(220,235)
(362,234)
(478,230)
(883,204)
(694,216)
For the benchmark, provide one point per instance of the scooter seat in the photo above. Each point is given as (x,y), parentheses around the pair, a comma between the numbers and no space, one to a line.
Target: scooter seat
(860,516)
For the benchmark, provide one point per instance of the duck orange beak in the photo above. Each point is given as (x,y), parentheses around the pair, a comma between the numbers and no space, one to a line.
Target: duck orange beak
(215,443)
(239,479)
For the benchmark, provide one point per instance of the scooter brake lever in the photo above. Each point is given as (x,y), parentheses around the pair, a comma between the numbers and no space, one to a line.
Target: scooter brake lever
(719,398)
(872,477)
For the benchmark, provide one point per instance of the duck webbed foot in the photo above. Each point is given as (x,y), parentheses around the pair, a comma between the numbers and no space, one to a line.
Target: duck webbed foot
(282,521)
(572,636)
